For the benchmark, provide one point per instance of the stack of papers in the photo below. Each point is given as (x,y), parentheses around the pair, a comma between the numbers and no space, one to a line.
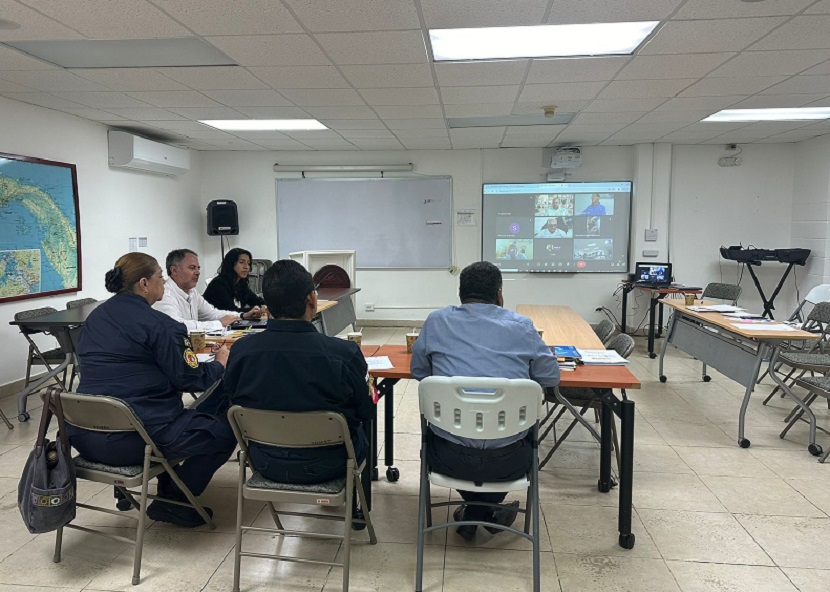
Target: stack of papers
(744,315)
(379,363)
(606,357)
(715,308)
(763,327)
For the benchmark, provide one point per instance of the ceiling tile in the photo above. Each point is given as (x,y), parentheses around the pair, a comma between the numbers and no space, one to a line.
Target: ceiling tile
(479,110)
(408,134)
(574,69)
(822,7)
(674,116)
(426,144)
(415,124)
(389,76)
(12,59)
(537,107)
(710,104)
(208,112)
(126,79)
(7,87)
(602,128)
(273,112)
(377,144)
(322,97)
(677,37)
(409,112)
(684,135)
(34,26)
(300,77)
(823,68)
(577,137)
(355,15)
(380,47)
(253,136)
(768,128)
(655,130)
(440,14)
(551,93)
(771,63)
(802,32)
(42,99)
(183,126)
(718,9)
(802,85)
(101,100)
(271,50)
(240,17)
(773,101)
(340,125)
(342,112)
(52,80)
(247,98)
(481,73)
(525,142)
(646,67)
(330,144)
(643,89)
(715,126)
(175,98)
(607,11)
(462,95)
(206,134)
(150,114)
(825,102)
(215,78)
(400,96)
(313,135)
(112,19)
(601,118)
(367,133)
(718,87)
(534,130)
(613,106)
(797,135)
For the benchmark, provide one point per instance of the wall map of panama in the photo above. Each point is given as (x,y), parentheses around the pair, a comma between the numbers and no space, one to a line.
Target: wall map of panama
(39,229)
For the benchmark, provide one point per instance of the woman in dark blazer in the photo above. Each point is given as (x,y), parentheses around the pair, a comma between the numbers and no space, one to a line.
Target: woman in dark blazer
(229,290)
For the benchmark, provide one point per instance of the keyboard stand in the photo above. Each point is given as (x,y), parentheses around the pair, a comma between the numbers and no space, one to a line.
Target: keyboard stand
(768,304)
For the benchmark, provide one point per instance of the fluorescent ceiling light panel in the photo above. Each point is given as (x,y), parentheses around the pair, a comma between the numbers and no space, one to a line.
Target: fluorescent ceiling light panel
(125,53)
(782,114)
(546,41)
(253,125)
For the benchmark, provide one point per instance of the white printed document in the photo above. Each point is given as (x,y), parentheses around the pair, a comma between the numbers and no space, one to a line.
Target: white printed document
(715,308)
(763,327)
(607,357)
(379,363)
(205,358)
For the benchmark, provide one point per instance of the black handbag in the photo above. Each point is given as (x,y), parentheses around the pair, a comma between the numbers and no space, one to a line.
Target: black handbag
(46,493)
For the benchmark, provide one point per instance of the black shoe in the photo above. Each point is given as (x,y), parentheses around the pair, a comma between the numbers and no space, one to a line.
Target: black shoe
(178,515)
(121,501)
(358,515)
(505,516)
(466,532)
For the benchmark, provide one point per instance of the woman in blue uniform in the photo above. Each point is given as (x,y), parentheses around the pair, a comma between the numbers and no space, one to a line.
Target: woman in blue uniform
(229,290)
(130,351)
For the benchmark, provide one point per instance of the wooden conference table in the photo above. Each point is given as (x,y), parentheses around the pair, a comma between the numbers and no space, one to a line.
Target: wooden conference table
(714,340)
(562,326)
(655,329)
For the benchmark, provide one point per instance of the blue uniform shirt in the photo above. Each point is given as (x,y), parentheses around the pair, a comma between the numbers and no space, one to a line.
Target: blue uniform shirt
(594,210)
(130,351)
(478,339)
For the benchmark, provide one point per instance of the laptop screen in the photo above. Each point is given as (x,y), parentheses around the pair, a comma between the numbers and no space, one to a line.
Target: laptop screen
(659,273)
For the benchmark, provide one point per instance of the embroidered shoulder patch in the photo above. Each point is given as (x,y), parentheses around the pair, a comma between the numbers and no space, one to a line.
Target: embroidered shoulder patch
(191,358)
(187,343)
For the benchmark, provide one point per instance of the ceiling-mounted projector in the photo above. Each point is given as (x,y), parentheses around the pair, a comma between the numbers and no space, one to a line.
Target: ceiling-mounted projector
(566,158)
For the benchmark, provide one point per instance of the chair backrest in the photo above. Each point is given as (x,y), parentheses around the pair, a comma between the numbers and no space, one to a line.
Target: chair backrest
(720,291)
(481,408)
(295,429)
(79,303)
(623,344)
(820,293)
(604,329)
(35,312)
(258,269)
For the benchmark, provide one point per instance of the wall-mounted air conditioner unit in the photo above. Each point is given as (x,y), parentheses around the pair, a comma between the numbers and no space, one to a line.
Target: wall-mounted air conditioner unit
(132,152)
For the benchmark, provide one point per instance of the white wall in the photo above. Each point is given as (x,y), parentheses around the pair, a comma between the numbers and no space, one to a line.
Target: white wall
(811,196)
(114,205)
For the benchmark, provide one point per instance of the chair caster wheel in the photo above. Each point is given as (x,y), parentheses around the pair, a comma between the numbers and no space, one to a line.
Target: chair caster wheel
(23,417)
(604,486)
(627,540)
(815,449)
(707,378)
(652,355)
(392,474)
(663,378)
(123,505)
(744,443)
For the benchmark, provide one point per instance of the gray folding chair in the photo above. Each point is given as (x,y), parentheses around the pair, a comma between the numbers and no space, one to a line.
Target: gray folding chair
(79,303)
(604,329)
(310,429)
(817,386)
(36,357)
(719,291)
(481,408)
(107,414)
(258,269)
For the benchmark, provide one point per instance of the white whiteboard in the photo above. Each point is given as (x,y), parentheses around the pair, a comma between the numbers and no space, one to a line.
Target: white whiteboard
(390,223)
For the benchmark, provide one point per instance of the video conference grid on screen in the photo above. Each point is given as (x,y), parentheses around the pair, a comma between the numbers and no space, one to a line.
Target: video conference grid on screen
(557,227)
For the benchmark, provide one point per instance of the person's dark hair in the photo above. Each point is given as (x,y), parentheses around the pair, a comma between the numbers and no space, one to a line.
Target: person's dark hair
(285,287)
(175,258)
(128,271)
(480,281)
(230,260)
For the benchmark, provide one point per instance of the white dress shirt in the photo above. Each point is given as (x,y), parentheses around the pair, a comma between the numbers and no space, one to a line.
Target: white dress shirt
(190,308)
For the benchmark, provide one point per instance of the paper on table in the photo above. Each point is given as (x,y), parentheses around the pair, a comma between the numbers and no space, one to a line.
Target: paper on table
(744,315)
(764,327)
(379,363)
(204,358)
(602,356)
(715,308)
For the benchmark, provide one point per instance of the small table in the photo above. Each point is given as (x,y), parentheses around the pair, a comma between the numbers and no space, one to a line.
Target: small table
(655,330)
(336,318)
(59,325)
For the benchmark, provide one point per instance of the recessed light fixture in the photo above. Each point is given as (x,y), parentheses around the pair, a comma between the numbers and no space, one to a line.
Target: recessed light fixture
(782,114)
(252,125)
(545,41)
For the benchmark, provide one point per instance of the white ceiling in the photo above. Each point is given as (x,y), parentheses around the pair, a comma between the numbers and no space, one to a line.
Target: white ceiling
(362,67)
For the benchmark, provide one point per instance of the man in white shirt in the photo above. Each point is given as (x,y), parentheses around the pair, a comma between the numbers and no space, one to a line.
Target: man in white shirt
(182,302)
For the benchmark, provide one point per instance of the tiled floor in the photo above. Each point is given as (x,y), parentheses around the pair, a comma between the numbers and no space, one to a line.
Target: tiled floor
(708,517)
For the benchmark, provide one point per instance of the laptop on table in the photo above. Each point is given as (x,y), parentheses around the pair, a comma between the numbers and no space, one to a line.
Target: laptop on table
(652,275)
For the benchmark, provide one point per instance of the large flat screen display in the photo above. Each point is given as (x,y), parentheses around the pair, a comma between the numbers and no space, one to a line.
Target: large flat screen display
(556,227)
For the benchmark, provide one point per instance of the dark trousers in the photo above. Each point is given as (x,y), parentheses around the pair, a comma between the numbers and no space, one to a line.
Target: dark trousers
(508,463)
(205,439)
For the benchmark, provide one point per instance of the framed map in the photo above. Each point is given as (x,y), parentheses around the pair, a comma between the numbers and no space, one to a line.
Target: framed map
(40,232)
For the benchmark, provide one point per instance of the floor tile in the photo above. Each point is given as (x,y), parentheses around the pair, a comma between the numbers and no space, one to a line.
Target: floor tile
(808,580)
(771,496)
(390,566)
(667,491)
(578,573)
(714,577)
(791,541)
(731,462)
(503,570)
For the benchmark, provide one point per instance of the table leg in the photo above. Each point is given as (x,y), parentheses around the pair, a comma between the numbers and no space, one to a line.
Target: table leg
(386,390)
(652,305)
(626,472)
(370,473)
(625,292)
(663,349)
(22,414)
(605,482)
(763,351)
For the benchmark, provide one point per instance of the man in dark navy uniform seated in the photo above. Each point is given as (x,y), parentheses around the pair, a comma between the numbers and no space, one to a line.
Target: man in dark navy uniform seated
(142,356)
(292,367)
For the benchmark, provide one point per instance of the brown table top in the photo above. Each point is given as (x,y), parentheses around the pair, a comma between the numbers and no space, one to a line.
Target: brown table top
(675,290)
(715,318)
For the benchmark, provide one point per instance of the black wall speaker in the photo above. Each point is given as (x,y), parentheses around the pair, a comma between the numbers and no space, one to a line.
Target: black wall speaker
(222,218)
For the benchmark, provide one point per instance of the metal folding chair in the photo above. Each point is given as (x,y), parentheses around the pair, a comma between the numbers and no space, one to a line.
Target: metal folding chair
(36,357)
(310,429)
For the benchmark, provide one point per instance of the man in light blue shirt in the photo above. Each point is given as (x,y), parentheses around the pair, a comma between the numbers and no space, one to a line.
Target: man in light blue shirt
(596,208)
(481,338)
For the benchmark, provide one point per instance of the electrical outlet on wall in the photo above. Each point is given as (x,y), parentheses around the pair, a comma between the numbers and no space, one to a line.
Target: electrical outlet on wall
(370,307)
